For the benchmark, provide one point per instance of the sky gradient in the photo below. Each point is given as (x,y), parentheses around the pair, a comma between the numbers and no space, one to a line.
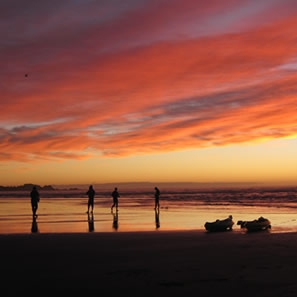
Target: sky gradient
(144,90)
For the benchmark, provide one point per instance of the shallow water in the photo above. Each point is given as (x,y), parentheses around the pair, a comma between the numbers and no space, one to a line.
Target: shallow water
(60,214)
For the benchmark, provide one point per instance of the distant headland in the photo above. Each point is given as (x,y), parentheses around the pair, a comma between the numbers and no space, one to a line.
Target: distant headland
(26,187)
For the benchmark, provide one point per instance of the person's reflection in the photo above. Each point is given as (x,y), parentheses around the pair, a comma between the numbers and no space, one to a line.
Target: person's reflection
(34,227)
(157,218)
(91,222)
(115,222)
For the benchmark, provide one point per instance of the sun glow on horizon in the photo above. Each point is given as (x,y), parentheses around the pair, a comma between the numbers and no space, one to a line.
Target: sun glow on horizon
(206,92)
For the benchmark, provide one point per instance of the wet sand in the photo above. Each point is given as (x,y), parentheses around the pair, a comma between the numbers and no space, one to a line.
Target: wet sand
(175,263)
(60,215)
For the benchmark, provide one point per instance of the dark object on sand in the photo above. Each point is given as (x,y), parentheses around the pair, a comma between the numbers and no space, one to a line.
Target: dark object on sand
(256,225)
(220,225)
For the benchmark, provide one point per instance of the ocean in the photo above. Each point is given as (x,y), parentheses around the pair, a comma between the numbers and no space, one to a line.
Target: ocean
(64,211)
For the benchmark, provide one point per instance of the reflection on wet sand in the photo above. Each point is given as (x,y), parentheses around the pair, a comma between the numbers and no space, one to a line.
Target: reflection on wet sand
(91,222)
(34,226)
(115,222)
(68,216)
(157,217)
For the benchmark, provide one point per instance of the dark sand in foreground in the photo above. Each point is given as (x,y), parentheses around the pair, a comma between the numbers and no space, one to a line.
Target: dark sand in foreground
(174,263)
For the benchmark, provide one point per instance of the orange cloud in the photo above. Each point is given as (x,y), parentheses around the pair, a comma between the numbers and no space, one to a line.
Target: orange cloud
(162,92)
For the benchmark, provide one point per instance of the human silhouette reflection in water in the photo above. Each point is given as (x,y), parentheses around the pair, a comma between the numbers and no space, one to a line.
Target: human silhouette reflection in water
(34,227)
(91,222)
(157,218)
(115,222)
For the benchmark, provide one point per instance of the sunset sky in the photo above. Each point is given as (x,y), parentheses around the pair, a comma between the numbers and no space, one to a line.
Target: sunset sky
(148,90)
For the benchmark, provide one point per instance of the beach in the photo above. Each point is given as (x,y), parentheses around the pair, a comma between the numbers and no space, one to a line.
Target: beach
(178,211)
(175,263)
(136,252)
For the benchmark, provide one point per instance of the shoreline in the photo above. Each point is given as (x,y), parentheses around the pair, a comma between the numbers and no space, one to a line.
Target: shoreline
(197,231)
(167,262)
(63,215)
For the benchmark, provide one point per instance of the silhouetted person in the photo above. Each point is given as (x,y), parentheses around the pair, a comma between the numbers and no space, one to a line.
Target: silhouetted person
(91,222)
(157,198)
(115,195)
(34,200)
(34,227)
(157,218)
(91,195)
(115,223)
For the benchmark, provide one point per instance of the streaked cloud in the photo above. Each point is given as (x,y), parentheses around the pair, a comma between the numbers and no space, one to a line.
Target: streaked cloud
(119,78)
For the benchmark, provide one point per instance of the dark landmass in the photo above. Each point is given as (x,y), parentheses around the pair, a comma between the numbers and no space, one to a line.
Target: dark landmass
(26,187)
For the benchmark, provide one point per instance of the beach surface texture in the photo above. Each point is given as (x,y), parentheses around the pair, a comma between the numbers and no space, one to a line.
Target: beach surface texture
(171,263)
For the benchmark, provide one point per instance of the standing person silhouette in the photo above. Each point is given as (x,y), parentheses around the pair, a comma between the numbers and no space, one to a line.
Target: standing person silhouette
(157,198)
(34,200)
(91,195)
(115,195)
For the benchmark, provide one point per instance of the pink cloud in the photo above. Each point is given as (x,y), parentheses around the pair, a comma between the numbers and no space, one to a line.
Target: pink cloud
(127,85)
